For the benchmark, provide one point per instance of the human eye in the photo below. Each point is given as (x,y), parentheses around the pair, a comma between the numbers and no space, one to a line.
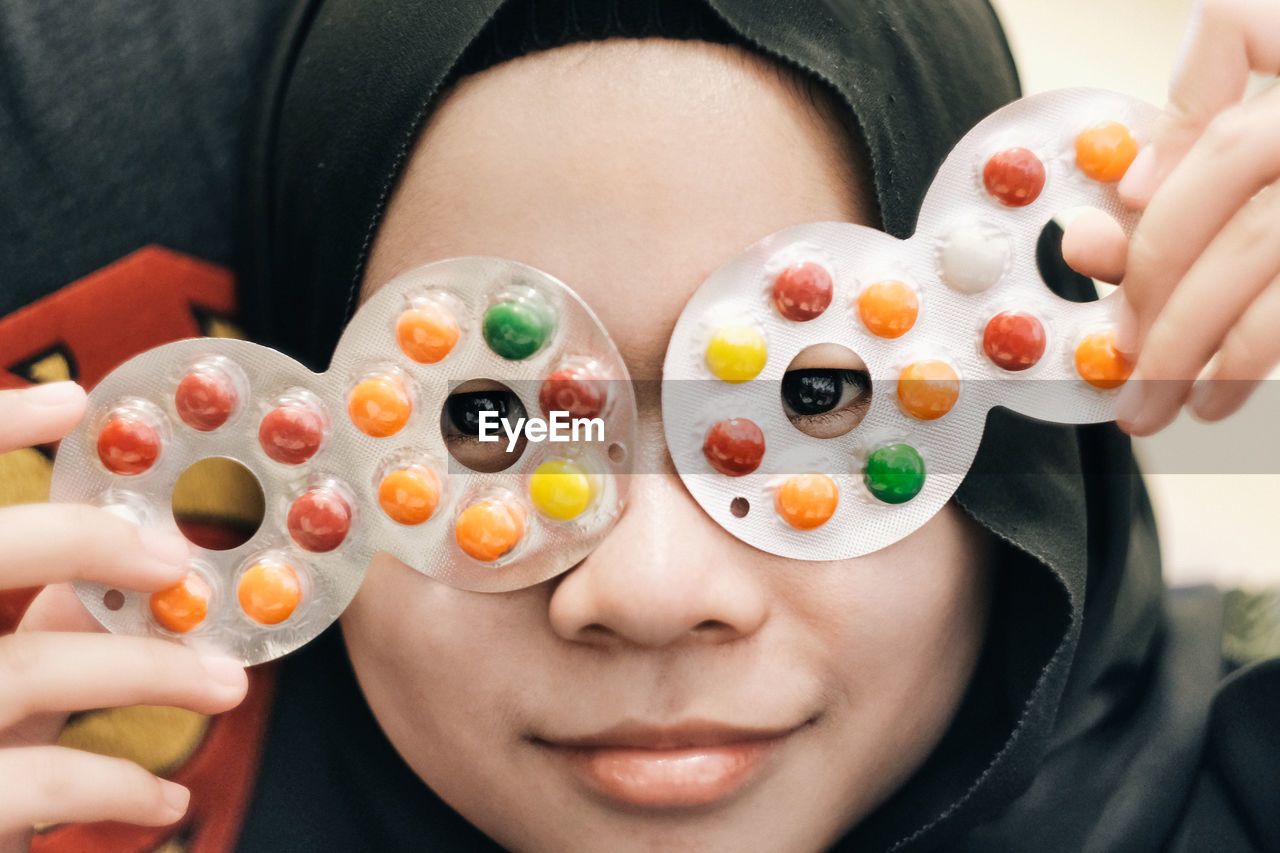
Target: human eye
(826,402)
(460,425)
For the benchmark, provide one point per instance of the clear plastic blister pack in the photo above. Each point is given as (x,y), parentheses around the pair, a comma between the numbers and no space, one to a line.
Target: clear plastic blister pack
(948,323)
(355,460)
(944,326)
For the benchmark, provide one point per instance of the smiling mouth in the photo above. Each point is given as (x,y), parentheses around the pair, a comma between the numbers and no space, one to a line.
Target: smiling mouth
(684,766)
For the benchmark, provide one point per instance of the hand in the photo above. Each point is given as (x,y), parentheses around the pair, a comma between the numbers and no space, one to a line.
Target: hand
(1201,274)
(61,661)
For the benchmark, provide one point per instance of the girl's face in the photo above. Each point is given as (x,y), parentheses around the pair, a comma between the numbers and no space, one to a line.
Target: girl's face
(676,689)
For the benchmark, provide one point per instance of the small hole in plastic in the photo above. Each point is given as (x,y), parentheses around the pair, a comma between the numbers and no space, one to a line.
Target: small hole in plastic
(113,599)
(739,507)
(617,453)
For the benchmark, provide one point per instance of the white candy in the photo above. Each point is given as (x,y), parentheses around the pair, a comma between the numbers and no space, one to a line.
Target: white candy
(972,258)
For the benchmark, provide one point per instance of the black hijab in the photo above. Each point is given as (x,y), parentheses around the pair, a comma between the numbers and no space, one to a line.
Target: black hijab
(1084,726)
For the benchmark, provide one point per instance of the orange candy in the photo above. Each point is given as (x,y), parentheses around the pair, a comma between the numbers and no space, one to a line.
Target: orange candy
(269,592)
(1099,362)
(427,333)
(1104,151)
(489,529)
(182,606)
(928,389)
(409,495)
(379,406)
(888,308)
(806,501)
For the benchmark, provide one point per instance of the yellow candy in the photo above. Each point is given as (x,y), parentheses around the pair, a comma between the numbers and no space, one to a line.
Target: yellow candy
(560,489)
(737,353)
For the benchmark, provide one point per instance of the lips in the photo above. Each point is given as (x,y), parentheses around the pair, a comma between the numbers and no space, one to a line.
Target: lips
(684,766)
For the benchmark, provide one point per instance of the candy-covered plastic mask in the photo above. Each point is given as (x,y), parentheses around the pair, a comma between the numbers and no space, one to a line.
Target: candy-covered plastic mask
(380,452)
(944,325)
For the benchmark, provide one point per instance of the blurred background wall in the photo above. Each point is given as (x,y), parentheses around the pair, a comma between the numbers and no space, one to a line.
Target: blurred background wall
(1216,487)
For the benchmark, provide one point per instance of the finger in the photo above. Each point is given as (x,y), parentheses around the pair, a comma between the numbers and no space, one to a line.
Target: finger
(58,608)
(1226,39)
(1230,164)
(1094,244)
(1239,263)
(39,414)
(53,672)
(48,543)
(53,784)
(1250,352)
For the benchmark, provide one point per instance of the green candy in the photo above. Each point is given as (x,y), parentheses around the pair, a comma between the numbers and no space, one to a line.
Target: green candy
(894,473)
(516,330)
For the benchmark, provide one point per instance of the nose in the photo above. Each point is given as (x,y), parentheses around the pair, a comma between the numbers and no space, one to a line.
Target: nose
(666,574)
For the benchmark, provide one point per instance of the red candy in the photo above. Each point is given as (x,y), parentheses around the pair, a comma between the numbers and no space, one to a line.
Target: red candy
(734,447)
(319,520)
(573,390)
(803,291)
(1014,340)
(291,433)
(1014,177)
(205,399)
(128,445)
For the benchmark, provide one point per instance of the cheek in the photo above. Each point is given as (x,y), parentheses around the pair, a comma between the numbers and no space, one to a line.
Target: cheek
(901,630)
(440,667)
(920,596)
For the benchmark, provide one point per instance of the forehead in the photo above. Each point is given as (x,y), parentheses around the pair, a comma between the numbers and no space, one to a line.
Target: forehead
(628,169)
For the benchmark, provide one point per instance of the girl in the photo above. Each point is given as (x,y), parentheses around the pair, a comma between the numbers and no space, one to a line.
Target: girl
(1012,675)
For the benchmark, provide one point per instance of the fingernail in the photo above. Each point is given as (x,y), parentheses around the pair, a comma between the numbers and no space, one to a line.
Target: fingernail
(223,670)
(1200,398)
(1138,183)
(1129,403)
(175,797)
(125,512)
(53,395)
(166,546)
